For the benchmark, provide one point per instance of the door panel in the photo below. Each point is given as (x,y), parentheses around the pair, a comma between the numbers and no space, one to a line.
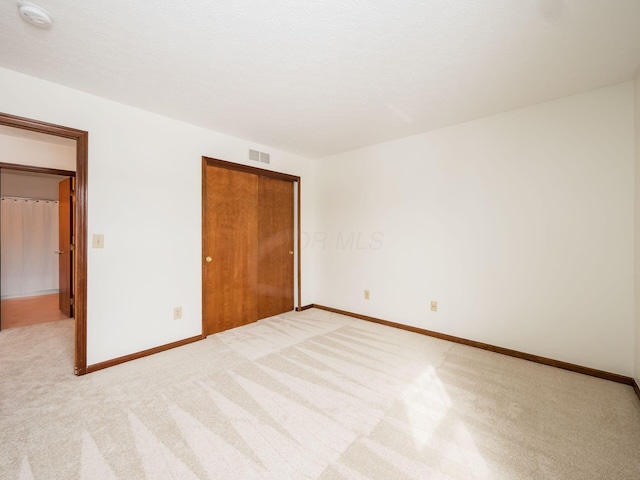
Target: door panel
(275,247)
(230,221)
(65,253)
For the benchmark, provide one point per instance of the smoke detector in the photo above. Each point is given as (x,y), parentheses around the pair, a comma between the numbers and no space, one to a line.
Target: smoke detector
(34,14)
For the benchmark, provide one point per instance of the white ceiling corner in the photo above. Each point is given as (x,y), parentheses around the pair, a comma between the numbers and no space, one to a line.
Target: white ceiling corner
(317,78)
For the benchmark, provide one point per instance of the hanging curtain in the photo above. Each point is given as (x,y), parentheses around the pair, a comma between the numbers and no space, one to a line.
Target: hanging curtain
(29,240)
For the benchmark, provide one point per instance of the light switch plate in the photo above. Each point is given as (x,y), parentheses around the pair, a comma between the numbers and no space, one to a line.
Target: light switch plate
(98,240)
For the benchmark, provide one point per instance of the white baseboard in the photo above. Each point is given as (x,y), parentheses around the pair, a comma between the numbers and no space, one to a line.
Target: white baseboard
(30,294)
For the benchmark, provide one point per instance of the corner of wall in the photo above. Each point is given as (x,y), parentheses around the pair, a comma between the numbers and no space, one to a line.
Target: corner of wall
(637,225)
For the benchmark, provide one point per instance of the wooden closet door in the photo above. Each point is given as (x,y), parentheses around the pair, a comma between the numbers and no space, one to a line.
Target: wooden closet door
(275,247)
(230,249)
(65,253)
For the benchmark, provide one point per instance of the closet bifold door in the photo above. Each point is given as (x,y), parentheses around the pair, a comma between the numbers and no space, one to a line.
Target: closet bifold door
(231,248)
(275,246)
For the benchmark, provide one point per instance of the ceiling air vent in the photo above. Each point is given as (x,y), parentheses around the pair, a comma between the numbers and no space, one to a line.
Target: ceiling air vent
(254,155)
(261,157)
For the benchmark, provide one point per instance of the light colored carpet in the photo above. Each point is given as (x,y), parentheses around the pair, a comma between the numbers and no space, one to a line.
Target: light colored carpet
(307,395)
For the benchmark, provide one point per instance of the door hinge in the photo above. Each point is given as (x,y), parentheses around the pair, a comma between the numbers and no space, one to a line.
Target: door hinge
(72,301)
(72,247)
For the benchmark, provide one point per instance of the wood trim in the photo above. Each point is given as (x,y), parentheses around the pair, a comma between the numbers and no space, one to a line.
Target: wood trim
(306,307)
(32,169)
(203,199)
(299,242)
(81,235)
(214,162)
(41,127)
(145,353)
(614,377)
(82,160)
(636,387)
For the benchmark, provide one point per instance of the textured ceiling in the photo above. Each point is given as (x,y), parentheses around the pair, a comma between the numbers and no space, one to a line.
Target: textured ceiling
(321,77)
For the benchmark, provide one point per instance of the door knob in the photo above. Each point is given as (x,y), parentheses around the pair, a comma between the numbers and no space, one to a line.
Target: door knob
(59,252)
(208,259)
(290,252)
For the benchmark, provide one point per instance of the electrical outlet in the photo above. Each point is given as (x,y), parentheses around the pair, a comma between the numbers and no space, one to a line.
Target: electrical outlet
(367,295)
(177,313)
(434,306)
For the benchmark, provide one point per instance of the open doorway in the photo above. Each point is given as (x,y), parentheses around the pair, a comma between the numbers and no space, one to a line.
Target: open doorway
(79,209)
(36,274)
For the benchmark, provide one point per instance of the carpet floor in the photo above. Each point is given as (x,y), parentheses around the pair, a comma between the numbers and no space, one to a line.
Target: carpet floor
(308,395)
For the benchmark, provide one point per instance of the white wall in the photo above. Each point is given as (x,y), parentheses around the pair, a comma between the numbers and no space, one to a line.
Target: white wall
(637,238)
(26,151)
(16,184)
(145,197)
(520,225)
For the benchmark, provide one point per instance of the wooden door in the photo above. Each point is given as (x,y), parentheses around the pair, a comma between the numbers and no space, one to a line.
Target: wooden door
(65,251)
(275,246)
(230,249)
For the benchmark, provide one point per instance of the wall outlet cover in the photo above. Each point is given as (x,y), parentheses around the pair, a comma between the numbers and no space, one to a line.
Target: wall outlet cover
(98,240)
